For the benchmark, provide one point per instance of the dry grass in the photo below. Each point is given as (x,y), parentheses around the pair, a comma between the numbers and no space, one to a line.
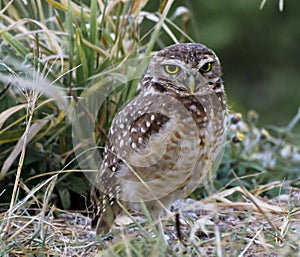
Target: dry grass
(215,226)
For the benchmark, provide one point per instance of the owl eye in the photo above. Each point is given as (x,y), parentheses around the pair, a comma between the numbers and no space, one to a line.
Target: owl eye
(171,69)
(206,67)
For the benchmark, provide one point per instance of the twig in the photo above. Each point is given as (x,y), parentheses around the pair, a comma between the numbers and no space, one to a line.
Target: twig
(250,243)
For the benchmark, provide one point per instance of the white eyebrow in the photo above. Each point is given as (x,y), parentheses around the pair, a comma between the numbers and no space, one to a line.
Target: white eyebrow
(173,61)
(206,60)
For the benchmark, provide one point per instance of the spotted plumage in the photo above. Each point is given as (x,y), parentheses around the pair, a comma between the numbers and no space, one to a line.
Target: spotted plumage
(163,143)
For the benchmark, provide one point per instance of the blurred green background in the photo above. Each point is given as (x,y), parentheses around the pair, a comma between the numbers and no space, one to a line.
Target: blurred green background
(259,51)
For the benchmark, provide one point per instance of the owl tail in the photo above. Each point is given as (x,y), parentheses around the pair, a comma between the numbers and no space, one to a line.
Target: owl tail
(104,221)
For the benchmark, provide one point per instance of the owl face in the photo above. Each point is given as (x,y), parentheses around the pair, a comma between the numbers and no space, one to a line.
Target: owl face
(185,68)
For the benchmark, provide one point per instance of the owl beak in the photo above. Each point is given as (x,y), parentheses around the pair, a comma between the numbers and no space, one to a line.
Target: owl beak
(192,84)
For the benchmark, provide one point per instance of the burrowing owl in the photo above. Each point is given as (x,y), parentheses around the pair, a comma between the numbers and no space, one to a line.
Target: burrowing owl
(163,143)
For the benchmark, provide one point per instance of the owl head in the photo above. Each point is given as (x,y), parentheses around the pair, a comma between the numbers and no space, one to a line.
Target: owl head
(189,68)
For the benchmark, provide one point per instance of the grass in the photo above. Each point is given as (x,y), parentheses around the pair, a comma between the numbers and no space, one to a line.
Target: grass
(215,226)
(55,55)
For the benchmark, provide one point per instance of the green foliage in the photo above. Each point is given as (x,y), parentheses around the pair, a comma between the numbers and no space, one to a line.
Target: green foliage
(257,156)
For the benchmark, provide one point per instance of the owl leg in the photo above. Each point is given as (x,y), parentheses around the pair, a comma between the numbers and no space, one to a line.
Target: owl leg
(160,229)
(106,219)
(177,226)
(156,214)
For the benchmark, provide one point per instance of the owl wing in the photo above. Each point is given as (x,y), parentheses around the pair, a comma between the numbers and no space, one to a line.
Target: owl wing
(135,127)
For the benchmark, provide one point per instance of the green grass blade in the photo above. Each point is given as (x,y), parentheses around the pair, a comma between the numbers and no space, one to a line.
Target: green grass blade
(17,45)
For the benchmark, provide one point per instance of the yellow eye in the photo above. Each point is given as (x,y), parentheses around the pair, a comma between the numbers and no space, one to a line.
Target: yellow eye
(206,67)
(171,69)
